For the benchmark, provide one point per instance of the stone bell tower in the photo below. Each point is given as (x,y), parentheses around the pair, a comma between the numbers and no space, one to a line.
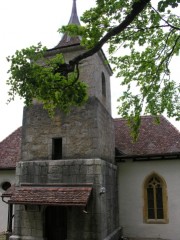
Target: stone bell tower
(66,179)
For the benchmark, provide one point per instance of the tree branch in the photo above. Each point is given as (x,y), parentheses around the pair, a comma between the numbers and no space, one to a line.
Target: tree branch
(165,45)
(170,25)
(149,28)
(167,57)
(137,8)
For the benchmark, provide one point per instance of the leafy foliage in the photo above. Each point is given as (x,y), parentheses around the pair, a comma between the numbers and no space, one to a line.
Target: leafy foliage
(141,55)
(142,37)
(33,76)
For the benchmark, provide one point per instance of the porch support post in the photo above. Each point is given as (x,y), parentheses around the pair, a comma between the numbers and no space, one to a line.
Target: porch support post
(9,223)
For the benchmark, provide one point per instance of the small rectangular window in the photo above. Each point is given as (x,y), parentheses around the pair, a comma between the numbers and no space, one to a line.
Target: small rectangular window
(56,148)
(103,84)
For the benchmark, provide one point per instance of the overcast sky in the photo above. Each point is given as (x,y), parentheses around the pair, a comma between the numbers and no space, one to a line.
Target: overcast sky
(27,22)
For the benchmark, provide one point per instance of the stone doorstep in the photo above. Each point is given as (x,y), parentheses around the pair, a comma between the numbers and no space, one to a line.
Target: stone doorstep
(115,235)
(16,237)
(145,239)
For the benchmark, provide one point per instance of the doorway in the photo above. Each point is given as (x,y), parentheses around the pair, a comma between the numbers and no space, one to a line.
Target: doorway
(56,223)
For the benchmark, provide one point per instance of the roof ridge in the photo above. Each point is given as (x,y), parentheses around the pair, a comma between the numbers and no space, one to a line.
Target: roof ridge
(175,128)
(151,117)
(10,134)
(144,116)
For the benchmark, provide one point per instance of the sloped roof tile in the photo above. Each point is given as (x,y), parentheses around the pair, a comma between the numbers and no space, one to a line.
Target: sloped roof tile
(10,150)
(60,194)
(161,138)
(153,138)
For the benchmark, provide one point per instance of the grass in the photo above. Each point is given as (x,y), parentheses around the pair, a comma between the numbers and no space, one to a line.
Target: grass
(2,236)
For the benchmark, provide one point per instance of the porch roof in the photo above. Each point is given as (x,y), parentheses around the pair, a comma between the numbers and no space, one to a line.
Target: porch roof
(51,194)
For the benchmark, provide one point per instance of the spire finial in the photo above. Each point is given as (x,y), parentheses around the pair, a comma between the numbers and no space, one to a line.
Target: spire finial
(74,16)
(67,40)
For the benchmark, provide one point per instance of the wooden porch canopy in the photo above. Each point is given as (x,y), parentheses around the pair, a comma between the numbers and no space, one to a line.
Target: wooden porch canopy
(50,194)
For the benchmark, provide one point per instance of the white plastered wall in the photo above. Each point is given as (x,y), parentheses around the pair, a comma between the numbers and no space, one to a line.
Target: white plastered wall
(5,176)
(131,176)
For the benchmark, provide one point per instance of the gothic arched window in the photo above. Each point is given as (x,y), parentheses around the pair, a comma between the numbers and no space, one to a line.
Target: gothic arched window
(155,199)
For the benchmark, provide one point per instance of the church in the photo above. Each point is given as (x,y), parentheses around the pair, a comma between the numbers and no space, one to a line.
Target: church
(79,176)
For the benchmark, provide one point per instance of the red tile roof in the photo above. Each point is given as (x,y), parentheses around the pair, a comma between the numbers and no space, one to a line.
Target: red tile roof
(10,150)
(161,138)
(59,194)
(154,138)
(8,193)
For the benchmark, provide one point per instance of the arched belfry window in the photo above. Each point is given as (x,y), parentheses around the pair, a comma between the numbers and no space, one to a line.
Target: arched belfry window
(155,199)
(103,84)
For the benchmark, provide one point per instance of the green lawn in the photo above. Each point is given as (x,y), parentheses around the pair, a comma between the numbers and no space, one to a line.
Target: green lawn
(2,236)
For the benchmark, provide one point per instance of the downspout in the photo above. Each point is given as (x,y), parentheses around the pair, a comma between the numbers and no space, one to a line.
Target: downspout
(10,217)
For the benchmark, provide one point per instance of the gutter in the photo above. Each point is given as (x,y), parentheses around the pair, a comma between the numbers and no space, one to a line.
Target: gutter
(146,157)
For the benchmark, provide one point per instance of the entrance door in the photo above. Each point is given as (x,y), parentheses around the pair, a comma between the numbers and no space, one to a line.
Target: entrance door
(56,223)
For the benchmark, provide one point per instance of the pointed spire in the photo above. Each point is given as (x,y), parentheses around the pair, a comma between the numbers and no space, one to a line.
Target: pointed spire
(74,16)
(67,40)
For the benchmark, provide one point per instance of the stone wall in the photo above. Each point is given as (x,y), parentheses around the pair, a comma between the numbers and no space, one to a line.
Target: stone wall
(101,218)
(28,223)
(90,72)
(88,149)
(86,132)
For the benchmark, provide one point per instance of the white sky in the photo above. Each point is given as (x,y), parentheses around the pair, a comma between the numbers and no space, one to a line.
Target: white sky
(27,22)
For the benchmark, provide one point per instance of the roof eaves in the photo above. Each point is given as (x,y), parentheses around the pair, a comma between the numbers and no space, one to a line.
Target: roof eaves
(61,194)
(7,168)
(146,157)
(60,48)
